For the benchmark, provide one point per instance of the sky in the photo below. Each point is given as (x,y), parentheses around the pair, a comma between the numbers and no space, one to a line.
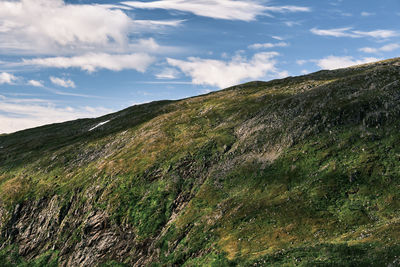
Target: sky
(63,60)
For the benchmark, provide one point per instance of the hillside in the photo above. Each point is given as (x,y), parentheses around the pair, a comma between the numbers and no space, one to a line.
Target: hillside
(299,171)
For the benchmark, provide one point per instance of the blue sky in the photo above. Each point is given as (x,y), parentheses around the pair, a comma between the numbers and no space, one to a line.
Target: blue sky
(62,60)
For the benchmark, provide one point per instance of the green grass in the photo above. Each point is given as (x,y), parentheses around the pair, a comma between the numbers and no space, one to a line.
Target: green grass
(9,257)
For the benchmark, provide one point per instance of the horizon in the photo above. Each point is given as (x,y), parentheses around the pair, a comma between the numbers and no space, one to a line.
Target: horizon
(64,60)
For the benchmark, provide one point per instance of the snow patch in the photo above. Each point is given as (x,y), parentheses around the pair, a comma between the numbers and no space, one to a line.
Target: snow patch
(98,125)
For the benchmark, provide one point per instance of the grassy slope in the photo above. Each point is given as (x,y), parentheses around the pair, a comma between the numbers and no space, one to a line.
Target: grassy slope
(298,171)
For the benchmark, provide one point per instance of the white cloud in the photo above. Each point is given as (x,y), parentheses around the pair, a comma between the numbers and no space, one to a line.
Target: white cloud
(389,47)
(158,23)
(227,73)
(151,46)
(367,14)
(206,91)
(377,34)
(348,32)
(304,72)
(168,73)
(62,82)
(111,6)
(268,45)
(385,48)
(339,32)
(370,50)
(7,78)
(246,10)
(164,82)
(93,61)
(285,9)
(19,114)
(301,62)
(279,38)
(35,83)
(53,27)
(292,23)
(51,24)
(334,62)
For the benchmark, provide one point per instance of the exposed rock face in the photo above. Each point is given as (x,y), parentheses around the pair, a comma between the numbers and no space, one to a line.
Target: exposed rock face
(84,235)
(49,224)
(99,241)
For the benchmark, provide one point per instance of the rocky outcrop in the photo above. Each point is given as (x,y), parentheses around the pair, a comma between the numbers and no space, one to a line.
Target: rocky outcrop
(83,235)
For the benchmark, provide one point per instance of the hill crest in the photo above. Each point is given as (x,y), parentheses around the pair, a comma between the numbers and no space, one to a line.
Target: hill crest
(298,170)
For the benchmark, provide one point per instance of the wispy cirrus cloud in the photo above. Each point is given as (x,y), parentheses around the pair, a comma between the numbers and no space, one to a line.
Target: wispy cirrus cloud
(335,62)
(94,61)
(292,23)
(367,14)
(338,32)
(385,48)
(18,113)
(158,23)
(279,38)
(349,32)
(218,9)
(227,73)
(168,73)
(111,6)
(301,62)
(267,45)
(7,78)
